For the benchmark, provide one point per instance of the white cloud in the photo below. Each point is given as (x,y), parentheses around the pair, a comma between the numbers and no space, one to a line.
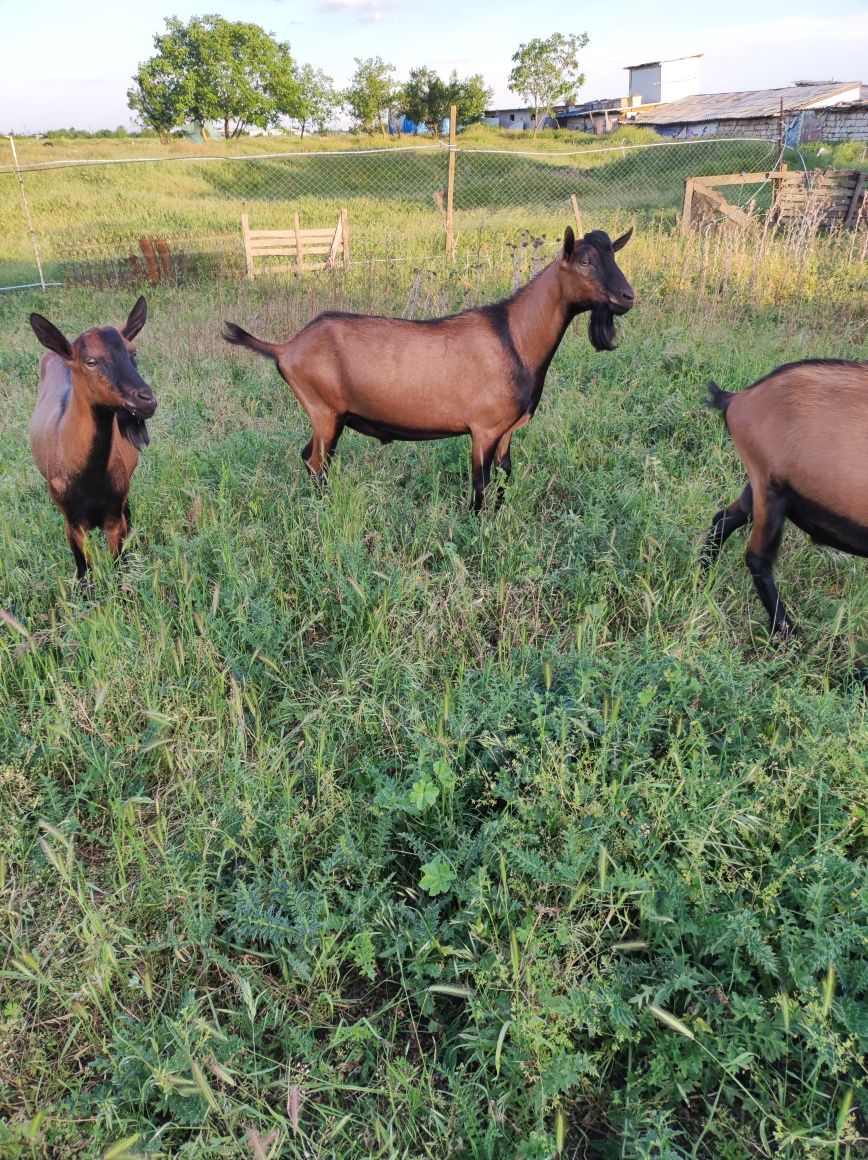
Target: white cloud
(367,11)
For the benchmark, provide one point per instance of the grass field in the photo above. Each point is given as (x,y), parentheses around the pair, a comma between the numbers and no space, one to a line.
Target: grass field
(350,825)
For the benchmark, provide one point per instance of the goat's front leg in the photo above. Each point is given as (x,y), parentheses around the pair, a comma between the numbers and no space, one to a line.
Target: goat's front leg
(75,536)
(116,532)
(723,525)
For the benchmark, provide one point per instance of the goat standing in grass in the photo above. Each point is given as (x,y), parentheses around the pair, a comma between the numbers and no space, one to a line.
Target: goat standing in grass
(480,372)
(802,435)
(89,426)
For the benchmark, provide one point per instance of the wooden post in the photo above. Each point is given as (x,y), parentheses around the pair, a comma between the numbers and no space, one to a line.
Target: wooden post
(688,203)
(776,185)
(345,234)
(299,261)
(26,204)
(248,254)
(576,211)
(450,185)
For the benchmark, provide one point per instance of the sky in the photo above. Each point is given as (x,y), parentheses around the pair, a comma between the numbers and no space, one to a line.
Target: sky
(70,62)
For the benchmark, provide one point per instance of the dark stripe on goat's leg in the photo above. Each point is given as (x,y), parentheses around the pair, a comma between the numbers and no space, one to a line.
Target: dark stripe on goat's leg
(724,524)
(769,514)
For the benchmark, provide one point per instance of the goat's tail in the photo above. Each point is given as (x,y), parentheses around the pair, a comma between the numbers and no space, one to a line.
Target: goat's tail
(718,398)
(239,337)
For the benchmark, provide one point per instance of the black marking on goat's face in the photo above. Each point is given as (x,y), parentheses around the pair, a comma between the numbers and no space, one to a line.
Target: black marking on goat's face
(105,362)
(595,282)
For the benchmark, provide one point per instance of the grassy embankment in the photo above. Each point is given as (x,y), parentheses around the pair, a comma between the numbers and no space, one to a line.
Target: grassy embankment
(383,831)
(394,193)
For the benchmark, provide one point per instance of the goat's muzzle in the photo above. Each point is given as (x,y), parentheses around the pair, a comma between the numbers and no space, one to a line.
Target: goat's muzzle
(141,404)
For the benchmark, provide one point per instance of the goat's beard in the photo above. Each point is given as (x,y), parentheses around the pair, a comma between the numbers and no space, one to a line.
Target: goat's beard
(601,328)
(133,430)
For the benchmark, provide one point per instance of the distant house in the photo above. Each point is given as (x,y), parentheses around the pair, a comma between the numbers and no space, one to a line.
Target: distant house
(753,114)
(520,118)
(659,81)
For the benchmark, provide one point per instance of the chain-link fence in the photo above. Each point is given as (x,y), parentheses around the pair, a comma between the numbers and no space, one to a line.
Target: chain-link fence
(110,221)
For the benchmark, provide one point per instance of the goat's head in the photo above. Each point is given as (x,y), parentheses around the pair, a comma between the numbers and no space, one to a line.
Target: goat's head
(591,280)
(103,362)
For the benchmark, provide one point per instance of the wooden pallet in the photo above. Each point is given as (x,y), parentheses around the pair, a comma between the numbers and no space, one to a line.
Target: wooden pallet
(832,195)
(296,244)
(836,195)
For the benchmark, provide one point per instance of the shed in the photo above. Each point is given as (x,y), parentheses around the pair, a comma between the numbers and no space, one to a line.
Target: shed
(756,113)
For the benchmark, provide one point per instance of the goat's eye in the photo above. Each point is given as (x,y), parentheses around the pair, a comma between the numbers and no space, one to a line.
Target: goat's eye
(90,362)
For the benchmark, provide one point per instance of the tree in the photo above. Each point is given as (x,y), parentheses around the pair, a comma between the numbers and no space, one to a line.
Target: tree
(426,99)
(470,97)
(415,96)
(158,97)
(317,100)
(546,72)
(371,94)
(212,69)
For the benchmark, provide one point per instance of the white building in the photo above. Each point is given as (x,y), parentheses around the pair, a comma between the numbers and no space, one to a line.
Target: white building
(664,80)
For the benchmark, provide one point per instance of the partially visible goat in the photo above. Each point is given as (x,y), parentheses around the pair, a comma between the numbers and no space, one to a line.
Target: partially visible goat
(479,373)
(89,426)
(802,435)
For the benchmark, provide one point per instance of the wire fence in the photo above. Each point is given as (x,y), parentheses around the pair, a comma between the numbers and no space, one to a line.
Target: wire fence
(125,221)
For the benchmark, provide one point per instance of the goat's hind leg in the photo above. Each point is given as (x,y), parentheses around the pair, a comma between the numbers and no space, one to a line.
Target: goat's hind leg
(320,447)
(770,511)
(724,524)
(482,450)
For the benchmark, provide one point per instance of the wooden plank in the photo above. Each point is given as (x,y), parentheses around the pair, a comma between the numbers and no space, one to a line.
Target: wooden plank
(740,178)
(853,208)
(336,241)
(450,187)
(298,244)
(577,214)
(345,234)
(245,230)
(687,211)
(320,233)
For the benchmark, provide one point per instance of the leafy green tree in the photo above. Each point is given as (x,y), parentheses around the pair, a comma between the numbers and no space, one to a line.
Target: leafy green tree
(426,98)
(470,97)
(317,100)
(212,69)
(415,96)
(546,72)
(158,97)
(371,93)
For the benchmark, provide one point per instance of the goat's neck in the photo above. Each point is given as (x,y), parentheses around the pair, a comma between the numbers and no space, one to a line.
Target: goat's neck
(86,431)
(538,317)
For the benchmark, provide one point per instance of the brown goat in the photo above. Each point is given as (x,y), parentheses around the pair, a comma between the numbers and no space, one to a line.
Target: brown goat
(479,373)
(89,426)
(802,434)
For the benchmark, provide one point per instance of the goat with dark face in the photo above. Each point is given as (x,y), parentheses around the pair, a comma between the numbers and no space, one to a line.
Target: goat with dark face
(478,373)
(89,426)
(802,435)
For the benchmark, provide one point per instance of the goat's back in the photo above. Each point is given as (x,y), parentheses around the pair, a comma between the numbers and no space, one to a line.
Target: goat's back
(806,426)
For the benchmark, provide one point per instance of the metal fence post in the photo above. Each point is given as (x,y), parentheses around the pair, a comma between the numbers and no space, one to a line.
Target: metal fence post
(450,186)
(27,212)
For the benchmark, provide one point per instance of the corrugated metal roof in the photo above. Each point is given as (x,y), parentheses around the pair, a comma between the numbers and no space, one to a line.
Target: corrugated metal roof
(733,106)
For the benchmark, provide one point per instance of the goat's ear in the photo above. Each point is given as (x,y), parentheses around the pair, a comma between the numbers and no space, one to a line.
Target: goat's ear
(569,243)
(620,243)
(51,337)
(137,319)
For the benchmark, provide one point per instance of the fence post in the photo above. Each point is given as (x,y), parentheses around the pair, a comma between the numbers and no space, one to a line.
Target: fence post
(450,186)
(27,212)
